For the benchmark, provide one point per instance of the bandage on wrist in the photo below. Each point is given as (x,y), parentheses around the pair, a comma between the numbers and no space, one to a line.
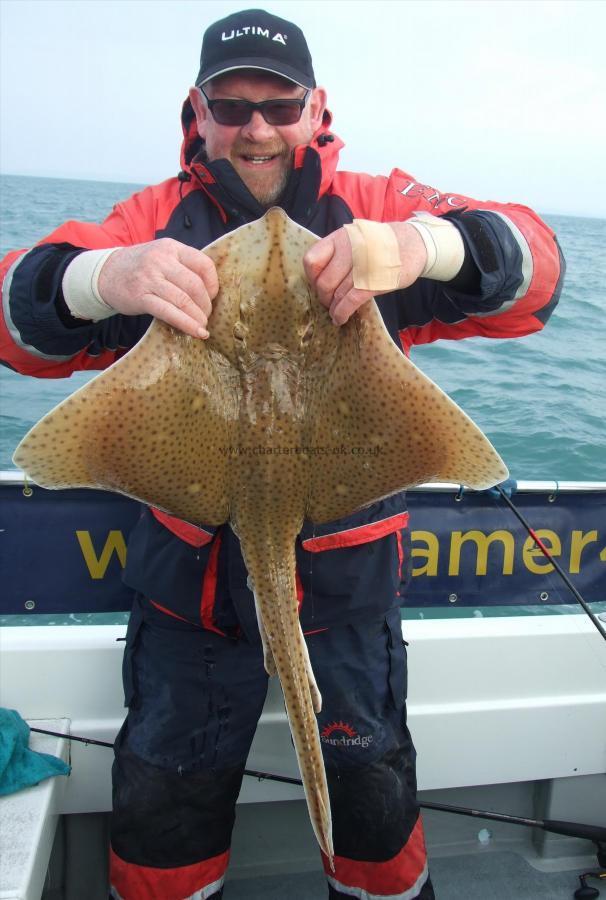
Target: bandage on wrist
(81,286)
(376,255)
(444,245)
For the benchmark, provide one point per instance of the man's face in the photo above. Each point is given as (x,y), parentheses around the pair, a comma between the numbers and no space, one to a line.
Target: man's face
(260,153)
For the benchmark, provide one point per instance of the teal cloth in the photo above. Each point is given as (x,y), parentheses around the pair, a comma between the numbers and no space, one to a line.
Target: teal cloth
(21,767)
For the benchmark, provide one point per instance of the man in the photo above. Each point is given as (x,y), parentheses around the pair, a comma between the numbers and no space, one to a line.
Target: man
(258,133)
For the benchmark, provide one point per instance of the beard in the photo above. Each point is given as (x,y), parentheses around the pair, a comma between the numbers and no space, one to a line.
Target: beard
(266,186)
(268,194)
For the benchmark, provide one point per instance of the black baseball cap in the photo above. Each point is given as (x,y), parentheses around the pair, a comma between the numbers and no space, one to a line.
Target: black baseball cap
(255,39)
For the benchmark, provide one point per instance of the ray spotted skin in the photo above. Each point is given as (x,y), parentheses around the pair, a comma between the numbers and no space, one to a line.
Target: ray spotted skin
(278,417)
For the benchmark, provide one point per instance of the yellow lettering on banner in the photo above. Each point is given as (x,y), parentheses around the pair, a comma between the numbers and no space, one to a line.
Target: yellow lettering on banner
(483,542)
(430,552)
(530,551)
(97,565)
(578,542)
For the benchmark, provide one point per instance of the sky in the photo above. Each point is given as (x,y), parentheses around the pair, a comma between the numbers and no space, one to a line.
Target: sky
(493,99)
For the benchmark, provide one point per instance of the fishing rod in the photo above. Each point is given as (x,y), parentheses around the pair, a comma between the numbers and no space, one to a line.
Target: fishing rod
(577,595)
(73,737)
(594,833)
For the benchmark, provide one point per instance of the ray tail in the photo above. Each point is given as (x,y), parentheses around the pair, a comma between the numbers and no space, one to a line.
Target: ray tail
(277,610)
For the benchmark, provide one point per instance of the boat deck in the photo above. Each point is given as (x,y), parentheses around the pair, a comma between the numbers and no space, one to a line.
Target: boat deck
(274,856)
(479,876)
(469,858)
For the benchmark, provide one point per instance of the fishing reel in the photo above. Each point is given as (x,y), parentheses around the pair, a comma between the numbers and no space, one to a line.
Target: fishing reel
(585,892)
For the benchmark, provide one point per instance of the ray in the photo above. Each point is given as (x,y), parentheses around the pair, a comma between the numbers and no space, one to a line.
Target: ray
(278,417)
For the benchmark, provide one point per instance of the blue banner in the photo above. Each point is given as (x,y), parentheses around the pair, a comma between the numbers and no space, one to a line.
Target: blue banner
(64,551)
(471,550)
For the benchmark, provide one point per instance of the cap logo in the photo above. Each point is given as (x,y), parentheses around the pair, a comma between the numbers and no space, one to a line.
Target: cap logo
(253,29)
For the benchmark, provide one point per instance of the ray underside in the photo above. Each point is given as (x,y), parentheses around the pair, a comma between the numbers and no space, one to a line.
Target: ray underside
(278,417)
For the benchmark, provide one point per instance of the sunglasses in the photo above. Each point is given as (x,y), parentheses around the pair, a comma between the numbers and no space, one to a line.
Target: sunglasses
(239,112)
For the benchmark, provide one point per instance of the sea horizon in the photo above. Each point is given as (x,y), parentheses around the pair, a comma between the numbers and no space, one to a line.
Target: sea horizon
(141,184)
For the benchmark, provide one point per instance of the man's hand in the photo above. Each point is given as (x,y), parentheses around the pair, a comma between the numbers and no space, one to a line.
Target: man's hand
(165,279)
(329,268)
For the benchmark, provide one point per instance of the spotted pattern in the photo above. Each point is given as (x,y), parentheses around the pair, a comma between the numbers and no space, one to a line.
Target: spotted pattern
(278,417)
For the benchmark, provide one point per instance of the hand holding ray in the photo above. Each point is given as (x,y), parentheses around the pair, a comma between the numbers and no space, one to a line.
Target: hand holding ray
(163,278)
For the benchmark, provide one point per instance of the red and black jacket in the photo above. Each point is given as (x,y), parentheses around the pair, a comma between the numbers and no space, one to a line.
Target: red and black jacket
(509,284)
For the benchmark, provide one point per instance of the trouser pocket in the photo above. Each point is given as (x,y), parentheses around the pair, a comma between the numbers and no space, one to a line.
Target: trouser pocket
(132,640)
(398,662)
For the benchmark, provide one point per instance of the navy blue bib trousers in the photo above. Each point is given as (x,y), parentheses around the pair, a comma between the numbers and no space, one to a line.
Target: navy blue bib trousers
(194,698)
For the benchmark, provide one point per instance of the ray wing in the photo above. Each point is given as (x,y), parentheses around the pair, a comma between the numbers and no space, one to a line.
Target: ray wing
(381,425)
(156,426)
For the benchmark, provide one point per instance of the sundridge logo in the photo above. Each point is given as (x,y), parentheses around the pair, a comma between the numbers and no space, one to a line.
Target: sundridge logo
(340,734)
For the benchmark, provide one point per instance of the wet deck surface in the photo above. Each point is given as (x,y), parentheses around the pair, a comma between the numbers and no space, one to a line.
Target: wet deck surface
(481,876)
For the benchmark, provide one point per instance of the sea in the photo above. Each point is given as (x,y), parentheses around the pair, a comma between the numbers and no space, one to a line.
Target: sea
(540,399)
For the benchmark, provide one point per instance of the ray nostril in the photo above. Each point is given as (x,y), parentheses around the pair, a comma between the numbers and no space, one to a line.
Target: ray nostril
(307,334)
(240,331)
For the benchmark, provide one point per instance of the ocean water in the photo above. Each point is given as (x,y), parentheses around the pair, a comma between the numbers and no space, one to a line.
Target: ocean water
(540,399)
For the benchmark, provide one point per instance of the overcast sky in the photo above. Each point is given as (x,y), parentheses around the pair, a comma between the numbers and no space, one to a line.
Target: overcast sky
(496,100)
